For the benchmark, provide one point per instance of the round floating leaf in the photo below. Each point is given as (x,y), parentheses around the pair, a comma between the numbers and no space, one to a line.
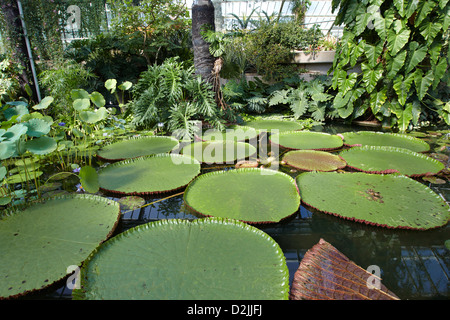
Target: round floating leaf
(219,151)
(41,146)
(94,116)
(131,203)
(392,201)
(149,175)
(251,195)
(232,133)
(37,127)
(40,242)
(307,140)
(23,176)
(269,125)
(137,147)
(373,159)
(206,259)
(312,160)
(371,138)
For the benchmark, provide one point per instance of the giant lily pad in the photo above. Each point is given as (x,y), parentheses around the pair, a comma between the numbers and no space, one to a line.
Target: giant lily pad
(372,138)
(392,201)
(219,151)
(39,243)
(307,140)
(269,125)
(148,175)
(374,159)
(232,133)
(312,160)
(251,195)
(327,274)
(137,147)
(211,259)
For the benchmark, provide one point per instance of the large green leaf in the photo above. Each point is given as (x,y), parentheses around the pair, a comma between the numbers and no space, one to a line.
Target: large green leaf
(251,195)
(309,140)
(373,138)
(394,64)
(415,56)
(212,259)
(371,76)
(376,159)
(423,82)
(149,175)
(89,179)
(137,147)
(268,125)
(225,151)
(233,133)
(37,127)
(41,146)
(392,201)
(397,40)
(312,160)
(39,243)
(94,116)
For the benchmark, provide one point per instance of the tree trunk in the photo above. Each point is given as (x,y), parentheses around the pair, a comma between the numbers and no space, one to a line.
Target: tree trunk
(202,16)
(13,24)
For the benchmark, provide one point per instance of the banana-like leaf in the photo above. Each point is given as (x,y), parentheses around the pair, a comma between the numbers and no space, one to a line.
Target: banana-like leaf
(148,175)
(252,195)
(137,147)
(307,140)
(325,273)
(206,259)
(392,201)
(374,138)
(40,242)
(312,160)
(376,159)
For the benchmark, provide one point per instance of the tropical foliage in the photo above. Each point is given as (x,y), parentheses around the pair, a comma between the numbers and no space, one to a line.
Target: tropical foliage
(402,48)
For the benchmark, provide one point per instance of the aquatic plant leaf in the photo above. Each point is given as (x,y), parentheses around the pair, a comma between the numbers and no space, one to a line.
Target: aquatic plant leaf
(148,175)
(41,241)
(180,260)
(325,273)
(130,203)
(219,151)
(44,104)
(23,176)
(375,159)
(137,147)
(307,140)
(252,195)
(234,133)
(94,116)
(37,127)
(374,138)
(392,201)
(312,160)
(89,179)
(269,125)
(41,146)
(17,110)
(7,149)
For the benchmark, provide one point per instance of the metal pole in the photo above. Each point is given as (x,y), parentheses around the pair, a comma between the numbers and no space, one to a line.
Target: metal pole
(30,56)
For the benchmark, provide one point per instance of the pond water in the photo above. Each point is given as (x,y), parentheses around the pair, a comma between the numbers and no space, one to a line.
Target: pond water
(413,264)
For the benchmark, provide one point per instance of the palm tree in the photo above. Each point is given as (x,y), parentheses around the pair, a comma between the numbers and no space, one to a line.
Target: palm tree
(202,17)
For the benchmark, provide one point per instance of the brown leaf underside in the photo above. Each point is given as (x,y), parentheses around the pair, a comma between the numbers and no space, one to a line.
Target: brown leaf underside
(326,274)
